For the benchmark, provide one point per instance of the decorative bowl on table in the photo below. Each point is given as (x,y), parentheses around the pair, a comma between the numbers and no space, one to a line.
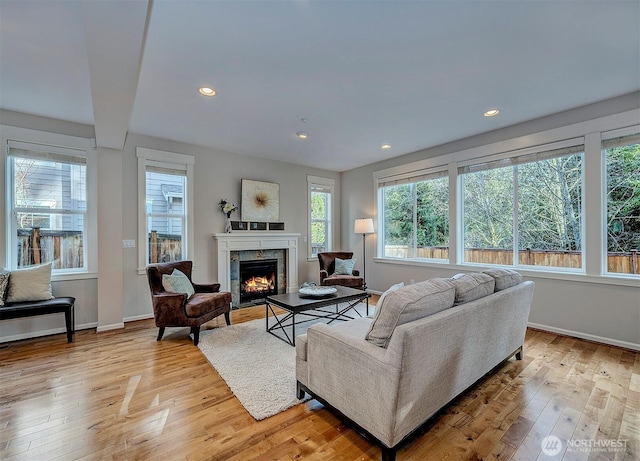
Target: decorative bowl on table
(316,291)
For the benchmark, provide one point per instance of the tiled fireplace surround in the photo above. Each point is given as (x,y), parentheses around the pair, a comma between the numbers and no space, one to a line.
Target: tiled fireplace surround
(245,245)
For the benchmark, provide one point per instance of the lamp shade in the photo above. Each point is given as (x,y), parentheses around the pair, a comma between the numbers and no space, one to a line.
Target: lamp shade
(363,226)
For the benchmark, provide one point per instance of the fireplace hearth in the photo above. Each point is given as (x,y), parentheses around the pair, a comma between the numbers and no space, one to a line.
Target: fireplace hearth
(258,279)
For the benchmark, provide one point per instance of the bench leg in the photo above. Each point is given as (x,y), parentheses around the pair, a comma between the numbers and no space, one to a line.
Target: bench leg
(69,321)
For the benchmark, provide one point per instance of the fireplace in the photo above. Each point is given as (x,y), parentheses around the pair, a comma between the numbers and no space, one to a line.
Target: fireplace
(258,279)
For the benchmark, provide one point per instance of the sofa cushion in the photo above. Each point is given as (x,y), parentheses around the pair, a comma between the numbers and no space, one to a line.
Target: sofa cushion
(505,278)
(177,282)
(344,266)
(4,283)
(203,303)
(30,284)
(343,280)
(472,286)
(407,304)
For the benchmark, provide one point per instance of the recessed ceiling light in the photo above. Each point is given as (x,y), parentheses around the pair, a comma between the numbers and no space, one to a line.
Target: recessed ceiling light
(491,113)
(206,91)
(302,135)
(385,146)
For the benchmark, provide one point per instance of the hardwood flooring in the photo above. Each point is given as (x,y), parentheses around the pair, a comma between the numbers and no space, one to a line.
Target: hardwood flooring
(121,395)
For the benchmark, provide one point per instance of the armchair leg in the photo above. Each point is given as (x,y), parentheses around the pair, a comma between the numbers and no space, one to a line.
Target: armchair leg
(227,318)
(196,335)
(160,333)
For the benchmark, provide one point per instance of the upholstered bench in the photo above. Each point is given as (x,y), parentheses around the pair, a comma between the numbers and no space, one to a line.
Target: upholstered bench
(50,306)
(27,293)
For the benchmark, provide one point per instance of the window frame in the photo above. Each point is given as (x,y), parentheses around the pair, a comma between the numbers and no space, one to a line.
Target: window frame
(171,160)
(513,159)
(605,136)
(67,145)
(413,179)
(324,183)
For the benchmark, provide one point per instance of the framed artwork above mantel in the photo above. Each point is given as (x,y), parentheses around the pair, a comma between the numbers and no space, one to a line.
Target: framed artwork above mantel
(260,201)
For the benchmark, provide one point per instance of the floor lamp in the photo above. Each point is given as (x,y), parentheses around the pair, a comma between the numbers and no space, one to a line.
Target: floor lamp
(364,226)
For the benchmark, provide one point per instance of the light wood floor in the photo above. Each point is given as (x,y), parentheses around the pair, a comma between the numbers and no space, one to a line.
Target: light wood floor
(122,396)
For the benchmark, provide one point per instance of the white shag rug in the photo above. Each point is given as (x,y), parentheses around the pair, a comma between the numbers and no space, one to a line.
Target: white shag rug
(259,368)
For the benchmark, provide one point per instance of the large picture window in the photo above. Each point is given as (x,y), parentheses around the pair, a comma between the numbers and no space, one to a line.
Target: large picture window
(622,159)
(525,209)
(415,216)
(48,203)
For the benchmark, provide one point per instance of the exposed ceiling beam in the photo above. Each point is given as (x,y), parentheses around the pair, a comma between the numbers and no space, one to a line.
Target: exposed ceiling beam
(115,35)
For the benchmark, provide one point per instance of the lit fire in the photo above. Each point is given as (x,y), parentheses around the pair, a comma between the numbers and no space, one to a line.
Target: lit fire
(258,284)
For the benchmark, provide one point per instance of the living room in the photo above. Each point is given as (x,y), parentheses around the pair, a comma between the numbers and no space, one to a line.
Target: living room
(113,290)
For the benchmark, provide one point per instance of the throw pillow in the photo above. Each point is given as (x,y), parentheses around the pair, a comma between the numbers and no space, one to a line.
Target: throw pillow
(4,283)
(384,295)
(407,304)
(505,278)
(30,284)
(344,266)
(178,282)
(470,287)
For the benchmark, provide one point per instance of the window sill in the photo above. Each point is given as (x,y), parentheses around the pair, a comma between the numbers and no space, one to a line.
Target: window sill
(621,280)
(73,276)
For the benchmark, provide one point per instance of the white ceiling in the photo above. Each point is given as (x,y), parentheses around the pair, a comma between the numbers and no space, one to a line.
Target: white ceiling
(410,73)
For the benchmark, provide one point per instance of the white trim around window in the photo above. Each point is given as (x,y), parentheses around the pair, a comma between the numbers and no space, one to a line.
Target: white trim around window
(56,143)
(174,161)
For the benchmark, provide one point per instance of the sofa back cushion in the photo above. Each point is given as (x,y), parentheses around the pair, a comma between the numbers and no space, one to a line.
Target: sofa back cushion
(472,286)
(30,284)
(407,304)
(505,278)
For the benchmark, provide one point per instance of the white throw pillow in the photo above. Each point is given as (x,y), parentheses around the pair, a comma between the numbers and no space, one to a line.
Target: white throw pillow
(384,295)
(177,282)
(30,284)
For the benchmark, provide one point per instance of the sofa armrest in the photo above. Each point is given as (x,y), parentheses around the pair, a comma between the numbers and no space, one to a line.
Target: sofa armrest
(323,275)
(355,273)
(353,375)
(206,287)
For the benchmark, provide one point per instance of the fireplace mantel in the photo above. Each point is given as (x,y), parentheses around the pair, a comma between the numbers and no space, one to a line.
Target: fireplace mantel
(246,240)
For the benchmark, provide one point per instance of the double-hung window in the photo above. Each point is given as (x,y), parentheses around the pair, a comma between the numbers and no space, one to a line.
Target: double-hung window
(415,215)
(622,162)
(525,208)
(47,198)
(165,214)
(320,234)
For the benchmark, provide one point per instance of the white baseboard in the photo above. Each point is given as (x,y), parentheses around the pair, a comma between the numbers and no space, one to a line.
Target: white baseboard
(578,334)
(133,318)
(113,326)
(53,331)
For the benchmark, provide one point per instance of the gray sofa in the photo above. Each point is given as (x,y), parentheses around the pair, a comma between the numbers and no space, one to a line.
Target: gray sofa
(427,344)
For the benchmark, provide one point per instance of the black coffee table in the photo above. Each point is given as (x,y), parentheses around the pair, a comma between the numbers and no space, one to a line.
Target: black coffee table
(313,307)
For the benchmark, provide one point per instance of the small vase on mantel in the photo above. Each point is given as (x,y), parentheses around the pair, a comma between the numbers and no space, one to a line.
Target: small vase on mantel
(227,228)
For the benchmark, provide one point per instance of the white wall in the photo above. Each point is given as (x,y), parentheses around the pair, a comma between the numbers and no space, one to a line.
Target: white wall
(590,307)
